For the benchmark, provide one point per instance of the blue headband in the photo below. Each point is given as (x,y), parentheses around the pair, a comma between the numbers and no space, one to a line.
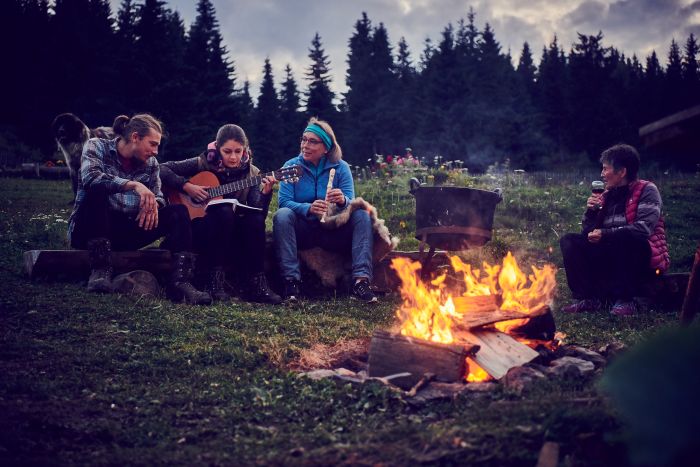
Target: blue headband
(321,133)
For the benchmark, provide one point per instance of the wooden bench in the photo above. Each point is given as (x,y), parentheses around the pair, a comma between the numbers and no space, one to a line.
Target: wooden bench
(75,264)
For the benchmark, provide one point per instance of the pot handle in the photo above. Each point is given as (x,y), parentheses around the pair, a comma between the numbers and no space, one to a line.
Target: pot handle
(499,192)
(413,184)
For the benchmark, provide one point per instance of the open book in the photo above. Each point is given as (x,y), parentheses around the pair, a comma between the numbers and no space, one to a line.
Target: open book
(235,204)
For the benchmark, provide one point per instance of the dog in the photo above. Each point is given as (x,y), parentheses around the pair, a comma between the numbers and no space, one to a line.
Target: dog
(71,134)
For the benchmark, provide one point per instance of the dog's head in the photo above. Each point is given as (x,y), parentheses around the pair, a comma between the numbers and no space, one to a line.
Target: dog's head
(69,129)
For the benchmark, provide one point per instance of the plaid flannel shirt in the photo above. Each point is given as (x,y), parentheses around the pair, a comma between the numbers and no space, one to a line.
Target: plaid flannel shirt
(101,169)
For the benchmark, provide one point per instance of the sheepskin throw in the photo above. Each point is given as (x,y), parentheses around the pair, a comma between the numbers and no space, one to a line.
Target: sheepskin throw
(331,266)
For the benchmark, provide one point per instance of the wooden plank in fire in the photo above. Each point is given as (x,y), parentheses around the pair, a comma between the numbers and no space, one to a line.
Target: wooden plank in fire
(481,316)
(391,354)
(498,352)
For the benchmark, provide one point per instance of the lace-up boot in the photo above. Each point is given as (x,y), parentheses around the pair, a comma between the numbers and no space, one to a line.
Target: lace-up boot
(180,288)
(217,285)
(100,253)
(260,292)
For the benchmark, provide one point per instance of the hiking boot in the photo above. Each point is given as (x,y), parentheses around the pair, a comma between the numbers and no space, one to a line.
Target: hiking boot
(624,308)
(291,290)
(217,285)
(361,291)
(260,292)
(180,288)
(582,306)
(100,253)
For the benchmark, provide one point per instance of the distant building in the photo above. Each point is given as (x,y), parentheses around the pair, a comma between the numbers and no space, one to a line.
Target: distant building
(675,139)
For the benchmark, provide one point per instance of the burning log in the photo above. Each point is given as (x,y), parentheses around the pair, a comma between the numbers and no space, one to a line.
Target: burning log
(390,354)
(477,304)
(498,352)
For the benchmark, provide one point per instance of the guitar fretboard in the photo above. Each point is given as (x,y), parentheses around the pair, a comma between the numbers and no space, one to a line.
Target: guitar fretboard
(222,190)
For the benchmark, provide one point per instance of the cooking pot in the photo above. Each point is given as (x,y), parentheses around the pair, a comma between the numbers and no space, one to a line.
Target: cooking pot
(454,218)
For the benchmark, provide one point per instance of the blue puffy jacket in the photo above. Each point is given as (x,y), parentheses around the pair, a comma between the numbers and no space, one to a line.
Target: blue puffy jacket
(313,183)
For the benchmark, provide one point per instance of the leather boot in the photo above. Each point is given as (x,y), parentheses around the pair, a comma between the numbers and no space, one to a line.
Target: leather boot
(217,288)
(259,291)
(100,253)
(180,288)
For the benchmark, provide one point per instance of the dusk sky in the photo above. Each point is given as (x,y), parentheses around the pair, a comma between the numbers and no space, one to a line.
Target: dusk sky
(282,29)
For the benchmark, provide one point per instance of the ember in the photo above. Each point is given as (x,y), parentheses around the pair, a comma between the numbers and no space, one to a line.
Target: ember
(434,313)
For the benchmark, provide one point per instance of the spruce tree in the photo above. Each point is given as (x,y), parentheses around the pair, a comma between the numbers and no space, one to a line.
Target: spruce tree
(691,77)
(83,33)
(266,137)
(552,94)
(319,97)
(209,75)
(652,88)
(527,69)
(676,100)
(161,79)
(292,119)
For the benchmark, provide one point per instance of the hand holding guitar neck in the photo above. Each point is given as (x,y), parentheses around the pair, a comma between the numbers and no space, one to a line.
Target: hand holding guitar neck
(329,187)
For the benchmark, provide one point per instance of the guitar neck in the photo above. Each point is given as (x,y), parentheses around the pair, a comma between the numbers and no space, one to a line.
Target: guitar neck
(238,185)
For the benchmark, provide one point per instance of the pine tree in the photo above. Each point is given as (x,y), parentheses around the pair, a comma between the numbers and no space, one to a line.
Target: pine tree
(246,106)
(266,137)
(526,69)
(597,119)
(319,97)
(83,31)
(691,77)
(162,79)
(405,99)
(292,118)
(552,93)
(28,102)
(370,100)
(674,89)
(209,75)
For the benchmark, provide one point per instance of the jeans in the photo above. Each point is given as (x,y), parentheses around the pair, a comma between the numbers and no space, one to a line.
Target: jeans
(613,269)
(293,233)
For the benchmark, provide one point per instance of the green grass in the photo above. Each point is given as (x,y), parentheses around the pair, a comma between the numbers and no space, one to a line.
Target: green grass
(87,379)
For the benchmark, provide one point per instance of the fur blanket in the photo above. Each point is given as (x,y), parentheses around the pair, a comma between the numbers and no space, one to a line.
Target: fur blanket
(331,266)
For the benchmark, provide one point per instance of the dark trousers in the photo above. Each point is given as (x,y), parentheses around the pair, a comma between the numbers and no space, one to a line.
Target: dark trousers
(612,269)
(95,220)
(224,237)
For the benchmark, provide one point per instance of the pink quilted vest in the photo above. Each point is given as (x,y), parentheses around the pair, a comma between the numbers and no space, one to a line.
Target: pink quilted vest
(657,240)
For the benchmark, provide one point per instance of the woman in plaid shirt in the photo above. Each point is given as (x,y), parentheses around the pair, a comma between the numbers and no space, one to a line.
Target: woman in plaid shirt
(120,206)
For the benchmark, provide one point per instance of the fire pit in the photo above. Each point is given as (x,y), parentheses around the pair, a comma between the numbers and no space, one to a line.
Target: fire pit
(435,323)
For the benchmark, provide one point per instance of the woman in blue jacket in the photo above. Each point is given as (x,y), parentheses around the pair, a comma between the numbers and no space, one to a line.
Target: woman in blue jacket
(296,225)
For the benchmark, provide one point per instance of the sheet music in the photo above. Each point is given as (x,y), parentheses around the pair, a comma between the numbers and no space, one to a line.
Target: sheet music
(235,204)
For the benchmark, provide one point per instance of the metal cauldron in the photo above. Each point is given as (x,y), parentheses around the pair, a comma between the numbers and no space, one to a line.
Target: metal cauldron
(454,218)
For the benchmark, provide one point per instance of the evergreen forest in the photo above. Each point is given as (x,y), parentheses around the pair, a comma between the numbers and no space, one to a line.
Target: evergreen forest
(462,97)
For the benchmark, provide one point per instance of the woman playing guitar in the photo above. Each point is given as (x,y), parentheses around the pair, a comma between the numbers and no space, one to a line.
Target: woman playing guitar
(224,235)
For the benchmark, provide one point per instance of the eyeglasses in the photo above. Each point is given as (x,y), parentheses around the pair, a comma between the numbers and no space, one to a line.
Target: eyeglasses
(311,141)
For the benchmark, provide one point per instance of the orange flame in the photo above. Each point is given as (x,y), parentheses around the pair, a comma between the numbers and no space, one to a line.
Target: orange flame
(428,312)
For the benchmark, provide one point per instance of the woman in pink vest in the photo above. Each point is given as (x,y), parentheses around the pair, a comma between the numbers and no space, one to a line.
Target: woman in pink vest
(622,242)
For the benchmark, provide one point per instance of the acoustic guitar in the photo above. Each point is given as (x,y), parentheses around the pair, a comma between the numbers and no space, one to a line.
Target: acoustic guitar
(196,209)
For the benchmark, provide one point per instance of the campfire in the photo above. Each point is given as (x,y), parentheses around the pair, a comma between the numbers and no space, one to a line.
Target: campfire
(463,325)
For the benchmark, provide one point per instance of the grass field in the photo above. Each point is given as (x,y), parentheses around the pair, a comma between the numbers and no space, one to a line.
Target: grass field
(88,379)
